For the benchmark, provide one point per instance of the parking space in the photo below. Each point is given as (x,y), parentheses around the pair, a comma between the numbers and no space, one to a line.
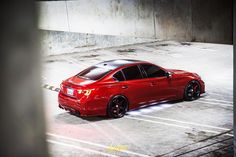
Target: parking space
(197,128)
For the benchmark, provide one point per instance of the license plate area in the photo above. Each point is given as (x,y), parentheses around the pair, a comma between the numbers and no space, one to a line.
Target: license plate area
(70,91)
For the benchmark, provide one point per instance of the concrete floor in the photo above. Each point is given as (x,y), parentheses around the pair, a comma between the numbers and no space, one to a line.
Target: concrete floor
(199,128)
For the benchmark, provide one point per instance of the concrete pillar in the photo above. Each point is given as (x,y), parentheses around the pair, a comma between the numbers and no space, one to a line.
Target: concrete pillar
(234,84)
(22,127)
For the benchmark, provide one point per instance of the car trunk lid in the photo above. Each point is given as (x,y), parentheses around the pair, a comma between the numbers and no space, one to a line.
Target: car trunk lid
(75,86)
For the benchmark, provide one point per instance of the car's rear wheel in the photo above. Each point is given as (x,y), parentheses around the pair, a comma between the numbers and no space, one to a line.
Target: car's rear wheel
(192,91)
(117,107)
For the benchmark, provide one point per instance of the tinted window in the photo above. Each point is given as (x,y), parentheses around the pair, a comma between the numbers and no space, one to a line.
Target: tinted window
(153,71)
(132,73)
(118,76)
(93,73)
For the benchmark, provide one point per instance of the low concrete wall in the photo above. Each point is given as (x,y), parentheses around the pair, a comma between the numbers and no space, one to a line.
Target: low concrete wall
(58,42)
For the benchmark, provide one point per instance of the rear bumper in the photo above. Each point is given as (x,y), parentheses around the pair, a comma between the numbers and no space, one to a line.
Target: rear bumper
(83,107)
(71,104)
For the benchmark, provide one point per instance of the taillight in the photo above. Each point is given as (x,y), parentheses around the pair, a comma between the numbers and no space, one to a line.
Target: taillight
(61,86)
(75,92)
(85,92)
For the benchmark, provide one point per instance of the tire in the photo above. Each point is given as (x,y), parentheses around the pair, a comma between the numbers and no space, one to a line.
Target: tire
(192,91)
(117,107)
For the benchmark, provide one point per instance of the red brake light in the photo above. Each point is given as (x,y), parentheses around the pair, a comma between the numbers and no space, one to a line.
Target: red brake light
(61,86)
(85,92)
(76,92)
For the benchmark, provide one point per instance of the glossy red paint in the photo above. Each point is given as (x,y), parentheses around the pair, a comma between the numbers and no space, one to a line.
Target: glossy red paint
(91,97)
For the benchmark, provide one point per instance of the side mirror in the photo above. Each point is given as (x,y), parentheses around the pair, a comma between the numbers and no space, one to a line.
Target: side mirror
(168,74)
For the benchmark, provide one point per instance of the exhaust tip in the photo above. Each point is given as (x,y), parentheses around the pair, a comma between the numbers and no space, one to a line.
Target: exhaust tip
(60,106)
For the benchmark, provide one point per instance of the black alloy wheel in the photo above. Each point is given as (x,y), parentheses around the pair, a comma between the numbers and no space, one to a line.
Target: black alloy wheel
(192,91)
(117,107)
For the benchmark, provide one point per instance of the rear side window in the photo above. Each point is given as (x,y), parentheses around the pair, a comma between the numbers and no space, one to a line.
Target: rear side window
(93,73)
(153,71)
(119,76)
(132,73)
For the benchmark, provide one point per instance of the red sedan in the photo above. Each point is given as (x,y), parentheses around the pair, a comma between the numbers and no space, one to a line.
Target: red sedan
(116,86)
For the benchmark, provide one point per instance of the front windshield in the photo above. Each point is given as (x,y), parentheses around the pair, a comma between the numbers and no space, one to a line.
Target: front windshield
(93,73)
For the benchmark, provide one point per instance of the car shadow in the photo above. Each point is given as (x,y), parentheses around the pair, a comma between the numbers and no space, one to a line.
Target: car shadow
(75,119)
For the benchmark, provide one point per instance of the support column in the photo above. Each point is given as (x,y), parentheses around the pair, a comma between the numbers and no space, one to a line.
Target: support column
(22,126)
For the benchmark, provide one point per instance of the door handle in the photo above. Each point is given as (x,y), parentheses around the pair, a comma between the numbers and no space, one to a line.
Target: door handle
(124,87)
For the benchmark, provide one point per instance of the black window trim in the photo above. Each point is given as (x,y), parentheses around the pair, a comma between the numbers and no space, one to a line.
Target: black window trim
(137,65)
(152,65)
(140,70)
(143,72)
(77,75)
(122,75)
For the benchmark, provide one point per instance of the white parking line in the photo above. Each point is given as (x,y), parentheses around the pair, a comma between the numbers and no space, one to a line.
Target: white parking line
(95,144)
(183,122)
(174,125)
(151,121)
(214,103)
(217,100)
(127,137)
(81,148)
(101,131)
(219,94)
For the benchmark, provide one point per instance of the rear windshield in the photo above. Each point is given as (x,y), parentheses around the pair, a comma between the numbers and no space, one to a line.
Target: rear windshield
(93,73)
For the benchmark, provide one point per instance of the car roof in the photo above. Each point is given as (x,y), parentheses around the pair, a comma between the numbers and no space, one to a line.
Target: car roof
(114,64)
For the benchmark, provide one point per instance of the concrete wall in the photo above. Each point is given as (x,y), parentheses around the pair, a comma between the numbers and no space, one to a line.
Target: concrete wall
(107,17)
(194,20)
(182,20)
(53,15)
(173,19)
(212,21)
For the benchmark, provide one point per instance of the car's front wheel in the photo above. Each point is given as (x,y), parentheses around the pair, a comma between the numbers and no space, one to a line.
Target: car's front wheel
(192,91)
(117,107)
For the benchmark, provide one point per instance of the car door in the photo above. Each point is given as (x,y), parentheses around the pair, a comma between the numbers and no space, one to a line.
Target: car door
(135,87)
(161,87)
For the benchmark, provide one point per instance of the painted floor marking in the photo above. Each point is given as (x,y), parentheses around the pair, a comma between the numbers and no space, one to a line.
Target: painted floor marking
(213,103)
(95,144)
(220,94)
(217,100)
(52,88)
(183,122)
(81,148)
(174,125)
(133,141)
